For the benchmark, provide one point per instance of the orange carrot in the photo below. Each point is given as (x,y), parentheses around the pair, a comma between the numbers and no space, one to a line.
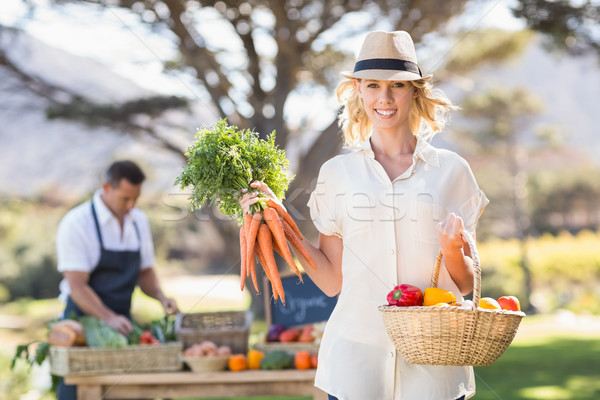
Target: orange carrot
(286,217)
(253,273)
(242,257)
(295,241)
(247,223)
(251,236)
(265,241)
(274,223)
(277,249)
(260,257)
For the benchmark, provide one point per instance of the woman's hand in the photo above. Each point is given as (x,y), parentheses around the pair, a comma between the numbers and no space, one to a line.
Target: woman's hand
(250,198)
(450,233)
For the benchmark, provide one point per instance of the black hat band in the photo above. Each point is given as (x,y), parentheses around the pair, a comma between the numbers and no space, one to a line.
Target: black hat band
(387,64)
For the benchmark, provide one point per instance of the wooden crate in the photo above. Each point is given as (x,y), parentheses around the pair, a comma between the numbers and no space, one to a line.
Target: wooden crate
(224,328)
(74,361)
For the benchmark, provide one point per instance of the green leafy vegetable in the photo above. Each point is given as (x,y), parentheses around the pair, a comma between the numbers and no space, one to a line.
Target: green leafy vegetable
(99,334)
(224,160)
(164,329)
(136,332)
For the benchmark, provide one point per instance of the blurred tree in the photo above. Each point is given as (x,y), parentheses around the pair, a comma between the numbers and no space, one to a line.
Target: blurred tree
(26,253)
(275,49)
(565,200)
(502,119)
(483,47)
(572,25)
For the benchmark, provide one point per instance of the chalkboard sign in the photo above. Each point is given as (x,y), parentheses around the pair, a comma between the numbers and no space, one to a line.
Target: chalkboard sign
(305,303)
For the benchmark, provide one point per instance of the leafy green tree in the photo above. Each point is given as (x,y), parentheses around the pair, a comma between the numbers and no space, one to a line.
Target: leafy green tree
(504,117)
(571,25)
(565,200)
(277,48)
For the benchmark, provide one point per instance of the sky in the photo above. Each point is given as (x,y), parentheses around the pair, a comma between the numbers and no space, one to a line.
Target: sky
(130,49)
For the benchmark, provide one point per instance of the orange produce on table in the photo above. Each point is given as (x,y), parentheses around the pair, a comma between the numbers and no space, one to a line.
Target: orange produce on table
(302,360)
(237,362)
(254,359)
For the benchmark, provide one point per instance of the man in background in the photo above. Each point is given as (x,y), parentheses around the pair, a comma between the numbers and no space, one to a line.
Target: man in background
(105,249)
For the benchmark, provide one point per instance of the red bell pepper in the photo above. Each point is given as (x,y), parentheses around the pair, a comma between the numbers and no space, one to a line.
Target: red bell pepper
(405,295)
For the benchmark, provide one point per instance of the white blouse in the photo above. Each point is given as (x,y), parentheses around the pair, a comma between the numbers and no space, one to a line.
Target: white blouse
(389,236)
(77,244)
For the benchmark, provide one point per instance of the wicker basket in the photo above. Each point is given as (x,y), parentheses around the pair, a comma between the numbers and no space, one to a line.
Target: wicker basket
(129,359)
(452,335)
(208,363)
(225,328)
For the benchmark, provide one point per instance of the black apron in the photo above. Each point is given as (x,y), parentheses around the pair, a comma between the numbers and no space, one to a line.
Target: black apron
(113,279)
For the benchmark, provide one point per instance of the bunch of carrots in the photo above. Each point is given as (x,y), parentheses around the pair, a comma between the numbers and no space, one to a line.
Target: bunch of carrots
(267,230)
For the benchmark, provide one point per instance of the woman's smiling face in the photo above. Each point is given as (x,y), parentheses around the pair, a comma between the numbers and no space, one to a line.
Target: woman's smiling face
(387,103)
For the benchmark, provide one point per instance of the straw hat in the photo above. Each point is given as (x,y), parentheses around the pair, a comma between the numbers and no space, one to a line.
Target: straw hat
(388,56)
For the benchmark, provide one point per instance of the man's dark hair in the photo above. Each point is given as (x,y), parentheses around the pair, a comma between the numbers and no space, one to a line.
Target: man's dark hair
(125,169)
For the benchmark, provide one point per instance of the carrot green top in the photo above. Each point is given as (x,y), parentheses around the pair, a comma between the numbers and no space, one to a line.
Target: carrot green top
(224,160)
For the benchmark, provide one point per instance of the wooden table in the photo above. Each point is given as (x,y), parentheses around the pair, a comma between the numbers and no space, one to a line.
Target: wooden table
(197,385)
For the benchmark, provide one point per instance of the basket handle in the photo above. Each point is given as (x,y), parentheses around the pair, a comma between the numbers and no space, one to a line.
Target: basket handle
(476,268)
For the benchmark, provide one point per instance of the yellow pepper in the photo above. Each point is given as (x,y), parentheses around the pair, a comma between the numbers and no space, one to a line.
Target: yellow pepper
(254,359)
(433,296)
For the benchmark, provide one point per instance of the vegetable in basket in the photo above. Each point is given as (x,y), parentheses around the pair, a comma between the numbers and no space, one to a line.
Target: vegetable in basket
(224,161)
(433,296)
(99,334)
(405,296)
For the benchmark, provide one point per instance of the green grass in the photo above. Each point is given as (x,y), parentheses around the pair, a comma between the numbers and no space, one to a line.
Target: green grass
(552,367)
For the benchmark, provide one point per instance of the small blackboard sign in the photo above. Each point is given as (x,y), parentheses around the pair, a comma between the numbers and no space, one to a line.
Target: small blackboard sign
(305,303)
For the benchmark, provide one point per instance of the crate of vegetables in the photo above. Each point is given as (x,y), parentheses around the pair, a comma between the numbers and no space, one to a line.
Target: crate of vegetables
(440,332)
(102,350)
(292,339)
(224,328)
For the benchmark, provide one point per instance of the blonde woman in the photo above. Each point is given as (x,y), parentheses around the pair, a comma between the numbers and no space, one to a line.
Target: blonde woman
(383,210)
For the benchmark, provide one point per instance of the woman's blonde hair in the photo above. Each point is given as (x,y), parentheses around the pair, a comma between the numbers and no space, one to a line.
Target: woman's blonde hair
(430,106)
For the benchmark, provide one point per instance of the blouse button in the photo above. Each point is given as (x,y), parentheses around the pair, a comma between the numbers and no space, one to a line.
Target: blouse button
(392,354)
(392,251)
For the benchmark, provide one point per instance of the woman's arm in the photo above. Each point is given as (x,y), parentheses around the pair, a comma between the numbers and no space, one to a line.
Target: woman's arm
(456,253)
(328,259)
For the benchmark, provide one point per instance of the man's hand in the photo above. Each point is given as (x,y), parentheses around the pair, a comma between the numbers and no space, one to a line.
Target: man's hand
(119,323)
(170,305)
